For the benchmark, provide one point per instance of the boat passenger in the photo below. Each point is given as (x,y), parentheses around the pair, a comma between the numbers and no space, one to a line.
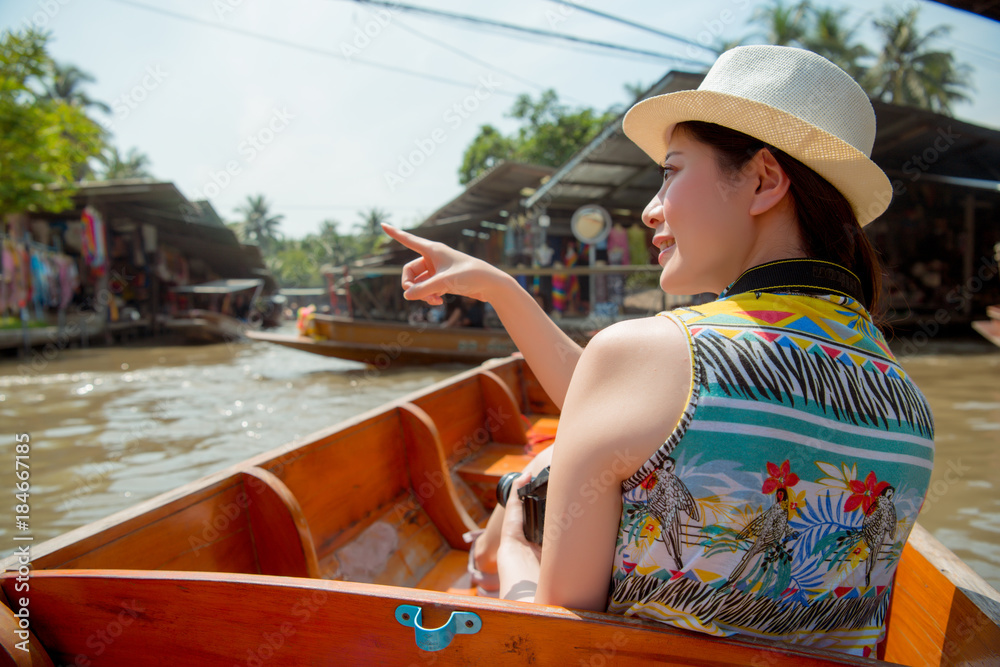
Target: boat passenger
(752,465)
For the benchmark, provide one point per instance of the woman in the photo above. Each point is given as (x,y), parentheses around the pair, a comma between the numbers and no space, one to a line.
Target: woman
(754,464)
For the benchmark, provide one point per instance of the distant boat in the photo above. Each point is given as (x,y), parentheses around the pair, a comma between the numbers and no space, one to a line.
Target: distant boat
(990,329)
(381,343)
(214,321)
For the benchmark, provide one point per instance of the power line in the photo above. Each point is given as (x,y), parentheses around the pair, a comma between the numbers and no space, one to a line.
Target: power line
(538,32)
(308,49)
(633,24)
(467,56)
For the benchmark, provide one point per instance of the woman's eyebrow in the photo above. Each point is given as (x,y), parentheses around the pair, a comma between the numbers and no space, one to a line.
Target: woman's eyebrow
(671,153)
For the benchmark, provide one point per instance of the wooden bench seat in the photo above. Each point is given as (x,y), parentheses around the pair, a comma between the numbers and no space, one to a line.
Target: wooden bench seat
(450,575)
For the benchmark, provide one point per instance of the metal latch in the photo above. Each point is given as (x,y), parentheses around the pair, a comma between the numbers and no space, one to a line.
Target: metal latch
(459,623)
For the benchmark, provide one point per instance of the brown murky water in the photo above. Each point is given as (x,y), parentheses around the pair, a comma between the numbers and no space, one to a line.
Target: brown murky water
(112,426)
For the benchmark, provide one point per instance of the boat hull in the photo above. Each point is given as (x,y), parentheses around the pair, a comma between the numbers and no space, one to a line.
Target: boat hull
(381,344)
(304,554)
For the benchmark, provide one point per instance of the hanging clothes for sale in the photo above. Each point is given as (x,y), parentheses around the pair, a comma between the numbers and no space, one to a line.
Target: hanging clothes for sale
(94,247)
(618,245)
(22,277)
(6,276)
(39,282)
(572,282)
(639,246)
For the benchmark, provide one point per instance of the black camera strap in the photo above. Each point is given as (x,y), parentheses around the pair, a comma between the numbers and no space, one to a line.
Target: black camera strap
(812,276)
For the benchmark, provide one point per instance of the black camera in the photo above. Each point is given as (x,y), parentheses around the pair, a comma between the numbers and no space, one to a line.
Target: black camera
(533,496)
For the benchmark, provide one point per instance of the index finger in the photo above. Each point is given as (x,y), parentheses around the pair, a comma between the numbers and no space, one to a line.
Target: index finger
(411,241)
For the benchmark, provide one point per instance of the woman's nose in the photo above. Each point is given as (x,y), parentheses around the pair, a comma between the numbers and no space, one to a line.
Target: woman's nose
(652,215)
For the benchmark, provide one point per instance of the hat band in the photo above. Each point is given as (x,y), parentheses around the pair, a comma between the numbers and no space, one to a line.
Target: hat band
(812,276)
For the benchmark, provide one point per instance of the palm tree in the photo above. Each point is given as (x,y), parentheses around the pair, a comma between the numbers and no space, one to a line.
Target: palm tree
(65,82)
(783,25)
(830,38)
(258,224)
(132,165)
(370,229)
(910,71)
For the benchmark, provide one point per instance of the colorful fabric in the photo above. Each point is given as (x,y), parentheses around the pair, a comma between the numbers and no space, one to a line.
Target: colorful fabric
(93,241)
(780,504)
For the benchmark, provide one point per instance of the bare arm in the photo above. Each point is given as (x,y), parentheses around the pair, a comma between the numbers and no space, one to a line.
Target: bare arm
(628,392)
(441,270)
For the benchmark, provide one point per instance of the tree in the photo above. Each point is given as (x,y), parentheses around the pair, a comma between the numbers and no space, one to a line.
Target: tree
(258,224)
(132,165)
(370,228)
(43,141)
(910,71)
(783,25)
(549,134)
(829,37)
(64,84)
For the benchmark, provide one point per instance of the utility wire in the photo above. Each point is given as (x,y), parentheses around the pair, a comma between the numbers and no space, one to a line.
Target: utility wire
(308,49)
(467,56)
(538,32)
(633,24)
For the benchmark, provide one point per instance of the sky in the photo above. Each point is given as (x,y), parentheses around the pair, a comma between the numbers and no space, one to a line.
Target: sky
(330,107)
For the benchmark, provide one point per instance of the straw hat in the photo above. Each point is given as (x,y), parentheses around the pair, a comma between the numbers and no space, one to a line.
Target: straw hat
(792,99)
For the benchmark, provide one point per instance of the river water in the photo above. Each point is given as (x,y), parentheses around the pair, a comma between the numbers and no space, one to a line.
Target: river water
(110,427)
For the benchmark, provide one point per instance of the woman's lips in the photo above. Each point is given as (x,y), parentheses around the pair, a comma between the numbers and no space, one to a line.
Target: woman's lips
(666,246)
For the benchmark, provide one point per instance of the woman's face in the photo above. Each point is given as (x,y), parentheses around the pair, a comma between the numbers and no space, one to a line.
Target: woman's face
(700,219)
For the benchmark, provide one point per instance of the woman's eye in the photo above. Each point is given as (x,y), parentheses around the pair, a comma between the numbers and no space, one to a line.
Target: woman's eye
(665,171)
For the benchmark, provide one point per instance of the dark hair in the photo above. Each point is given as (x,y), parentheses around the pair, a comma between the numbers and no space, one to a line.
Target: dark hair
(827,223)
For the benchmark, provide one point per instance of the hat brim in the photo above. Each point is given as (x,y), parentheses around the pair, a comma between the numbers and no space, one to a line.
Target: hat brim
(861,181)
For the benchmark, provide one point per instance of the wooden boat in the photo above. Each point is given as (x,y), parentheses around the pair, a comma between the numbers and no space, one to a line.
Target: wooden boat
(215,321)
(382,344)
(205,326)
(990,329)
(345,547)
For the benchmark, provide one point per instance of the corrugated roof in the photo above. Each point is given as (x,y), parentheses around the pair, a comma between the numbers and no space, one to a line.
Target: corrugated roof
(615,173)
(986,8)
(488,193)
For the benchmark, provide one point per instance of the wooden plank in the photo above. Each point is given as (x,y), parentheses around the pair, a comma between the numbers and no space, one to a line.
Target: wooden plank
(450,575)
(459,414)
(191,619)
(492,462)
(122,536)
(431,478)
(503,417)
(342,479)
(19,646)
(281,535)
(200,532)
(942,613)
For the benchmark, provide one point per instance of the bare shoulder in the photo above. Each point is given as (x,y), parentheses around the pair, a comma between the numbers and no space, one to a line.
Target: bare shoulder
(632,384)
(648,340)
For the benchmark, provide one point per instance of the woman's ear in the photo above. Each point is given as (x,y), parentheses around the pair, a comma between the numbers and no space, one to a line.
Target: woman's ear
(772,182)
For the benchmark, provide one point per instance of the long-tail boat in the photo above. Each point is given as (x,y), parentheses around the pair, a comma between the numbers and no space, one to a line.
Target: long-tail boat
(990,329)
(346,547)
(382,343)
